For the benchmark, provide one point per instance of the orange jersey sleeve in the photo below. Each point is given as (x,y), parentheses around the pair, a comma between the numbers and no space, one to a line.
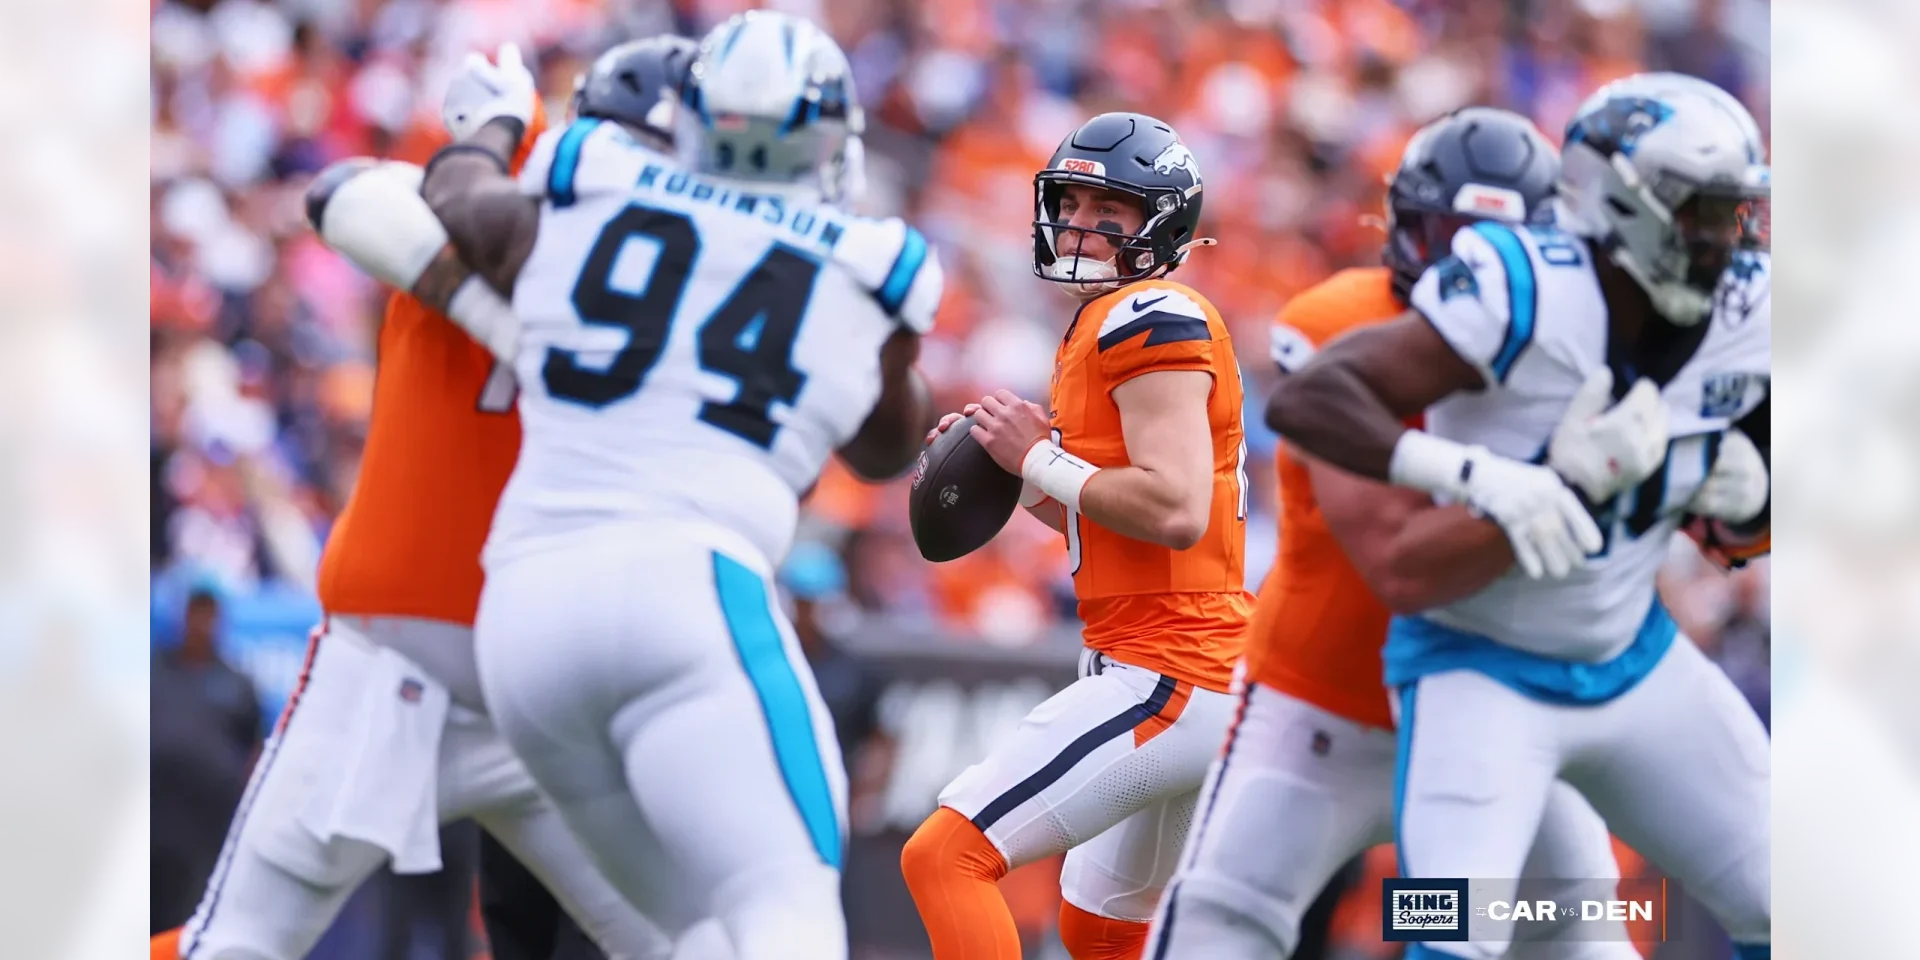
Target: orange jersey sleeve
(440,445)
(1183,613)
(1317,627)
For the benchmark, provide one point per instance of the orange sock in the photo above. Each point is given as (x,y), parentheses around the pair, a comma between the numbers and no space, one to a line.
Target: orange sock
(166,946)
(1092,937)
(951,869)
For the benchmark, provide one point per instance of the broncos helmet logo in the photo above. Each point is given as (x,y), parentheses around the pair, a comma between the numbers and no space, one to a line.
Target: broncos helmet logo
(1176,156)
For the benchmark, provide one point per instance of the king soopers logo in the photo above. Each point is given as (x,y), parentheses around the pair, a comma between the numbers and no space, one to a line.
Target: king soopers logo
(1423,909)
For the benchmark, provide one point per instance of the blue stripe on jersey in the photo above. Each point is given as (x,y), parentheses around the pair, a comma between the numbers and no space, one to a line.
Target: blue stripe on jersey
(1403,749)
(566,161)
(1754,951)
(1522,293)
(1417,647)
(913,252)
(763,653)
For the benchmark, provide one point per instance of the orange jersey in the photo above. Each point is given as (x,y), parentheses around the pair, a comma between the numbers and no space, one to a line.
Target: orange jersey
(1182,613)
(440,445)
(1318,628)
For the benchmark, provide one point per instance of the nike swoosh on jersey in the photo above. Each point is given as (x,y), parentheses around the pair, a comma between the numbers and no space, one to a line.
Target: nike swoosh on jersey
(1140,306)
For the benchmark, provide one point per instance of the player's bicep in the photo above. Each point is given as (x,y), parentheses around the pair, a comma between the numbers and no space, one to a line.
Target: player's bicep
(1405,363)
(1163,421)
(493,226)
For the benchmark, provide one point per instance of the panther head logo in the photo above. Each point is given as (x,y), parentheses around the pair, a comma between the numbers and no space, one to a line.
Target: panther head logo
(1176,156)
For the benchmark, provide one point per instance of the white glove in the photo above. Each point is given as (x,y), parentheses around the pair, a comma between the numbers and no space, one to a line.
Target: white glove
(1736,488)
(1551,533)
(1605,451)
(483,91)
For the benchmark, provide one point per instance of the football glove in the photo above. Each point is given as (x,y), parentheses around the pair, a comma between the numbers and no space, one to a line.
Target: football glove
(484,91)
(1551,532)
(1736,488)
(1603,450)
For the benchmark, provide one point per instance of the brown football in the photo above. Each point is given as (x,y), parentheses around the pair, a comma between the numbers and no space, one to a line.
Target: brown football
(960,497)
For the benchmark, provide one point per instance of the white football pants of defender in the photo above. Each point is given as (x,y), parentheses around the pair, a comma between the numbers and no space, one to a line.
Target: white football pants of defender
(1298,792)
(1678,766)
(372,754)
(661,699)
(1848,832)
(1108,771)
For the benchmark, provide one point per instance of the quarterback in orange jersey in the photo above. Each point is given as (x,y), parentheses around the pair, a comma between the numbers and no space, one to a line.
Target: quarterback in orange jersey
(1306,781)
(386,736)
(1141,465)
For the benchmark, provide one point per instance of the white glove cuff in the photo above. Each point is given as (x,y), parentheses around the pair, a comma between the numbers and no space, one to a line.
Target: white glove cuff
(1057,473)
(1423,461)
(485,316)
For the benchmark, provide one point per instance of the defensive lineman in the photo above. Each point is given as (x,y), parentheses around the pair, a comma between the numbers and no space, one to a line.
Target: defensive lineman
(1585,677)
(1305,782)
(694,343)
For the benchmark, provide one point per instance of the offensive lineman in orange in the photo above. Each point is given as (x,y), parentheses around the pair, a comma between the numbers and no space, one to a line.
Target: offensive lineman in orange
(1141,465)
(386,735)
(1306,780)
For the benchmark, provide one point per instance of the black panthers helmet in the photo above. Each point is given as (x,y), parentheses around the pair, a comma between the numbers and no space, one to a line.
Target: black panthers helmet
(1477,163)
(1132,153)
(630,82)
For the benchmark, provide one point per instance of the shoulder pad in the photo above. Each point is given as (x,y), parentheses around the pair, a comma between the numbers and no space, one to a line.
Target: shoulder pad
(894,262)
(1482,298)
(1172,311)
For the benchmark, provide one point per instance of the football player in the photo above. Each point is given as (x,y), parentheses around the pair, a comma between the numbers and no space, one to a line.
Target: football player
(694,341)
(1581,677)
(388,734)
(1141,464)
(1306,780)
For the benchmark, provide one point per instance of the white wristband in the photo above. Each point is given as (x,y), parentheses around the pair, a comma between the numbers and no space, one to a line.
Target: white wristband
(1426,462)
(1031,496)
(485,316)
(1057,473)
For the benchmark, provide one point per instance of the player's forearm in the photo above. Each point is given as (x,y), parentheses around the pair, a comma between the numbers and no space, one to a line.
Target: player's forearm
(1440,555)
(489,221)
(1051,513)
(1328,411)
(1144,505)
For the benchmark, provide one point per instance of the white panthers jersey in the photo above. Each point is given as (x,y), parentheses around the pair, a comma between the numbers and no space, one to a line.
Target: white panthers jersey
(691,348)
(1524,306)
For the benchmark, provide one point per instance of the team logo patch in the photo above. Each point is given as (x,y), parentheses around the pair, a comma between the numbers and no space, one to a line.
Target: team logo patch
(1499,203)
(1077,165)
(1724,394)
(411,689)
(1423,909)
(1176,157)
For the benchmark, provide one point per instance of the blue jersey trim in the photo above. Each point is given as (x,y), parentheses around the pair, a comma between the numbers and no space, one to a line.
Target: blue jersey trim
(913,252)
(1402,755)
(763,653)
(566,161)
(1522,293)
(1418,647)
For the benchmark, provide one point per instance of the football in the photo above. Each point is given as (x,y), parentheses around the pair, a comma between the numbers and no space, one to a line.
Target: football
(960,497)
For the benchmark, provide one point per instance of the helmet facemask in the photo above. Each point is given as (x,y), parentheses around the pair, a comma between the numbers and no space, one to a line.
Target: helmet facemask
(1676,238)
(1133,255)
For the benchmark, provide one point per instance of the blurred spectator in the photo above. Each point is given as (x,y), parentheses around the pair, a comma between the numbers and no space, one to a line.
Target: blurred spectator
(206,734)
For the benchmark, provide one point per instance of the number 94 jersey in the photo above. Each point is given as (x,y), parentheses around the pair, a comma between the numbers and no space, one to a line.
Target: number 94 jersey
(691,348)
(1524,306)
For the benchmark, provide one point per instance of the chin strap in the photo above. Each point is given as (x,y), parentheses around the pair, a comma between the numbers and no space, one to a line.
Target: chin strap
(1190,244)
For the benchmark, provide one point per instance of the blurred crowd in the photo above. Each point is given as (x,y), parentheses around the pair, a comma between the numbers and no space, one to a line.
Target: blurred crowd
(1297,110)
